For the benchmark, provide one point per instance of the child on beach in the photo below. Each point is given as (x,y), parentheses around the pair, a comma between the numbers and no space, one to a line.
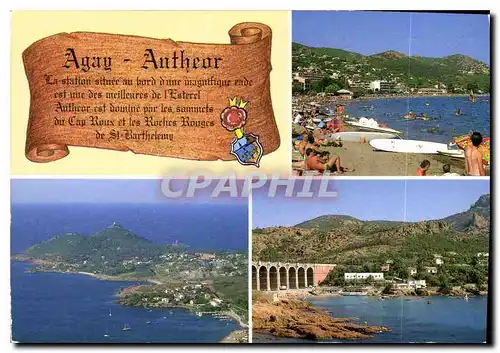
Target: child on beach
(473,157)
(447,171)
(424,167)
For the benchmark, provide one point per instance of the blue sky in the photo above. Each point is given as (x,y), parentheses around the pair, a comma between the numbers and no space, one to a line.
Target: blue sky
(372,200)
(106,191)
(432,34)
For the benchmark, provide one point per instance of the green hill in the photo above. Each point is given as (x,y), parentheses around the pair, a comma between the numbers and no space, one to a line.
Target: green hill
(113,243)
(112,250)
(457,72)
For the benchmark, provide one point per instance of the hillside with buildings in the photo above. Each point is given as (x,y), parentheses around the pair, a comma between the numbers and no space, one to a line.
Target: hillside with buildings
(199,281)
(454,248)
(387,72)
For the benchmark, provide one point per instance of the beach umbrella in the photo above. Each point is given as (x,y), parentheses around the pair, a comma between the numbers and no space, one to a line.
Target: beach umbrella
(464,141)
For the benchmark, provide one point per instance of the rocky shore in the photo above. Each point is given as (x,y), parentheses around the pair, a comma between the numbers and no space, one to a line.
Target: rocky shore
(298,319)
(237,336)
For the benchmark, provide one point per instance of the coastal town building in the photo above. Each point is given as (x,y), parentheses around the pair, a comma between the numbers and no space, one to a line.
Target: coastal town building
(360,85)
(412,271)
(344,94)
(385,268)
(438,259)
(377,276)
(412,284)
(431,90)
(431,270)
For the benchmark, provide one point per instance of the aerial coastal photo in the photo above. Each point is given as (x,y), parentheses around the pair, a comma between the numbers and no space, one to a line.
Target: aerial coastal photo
(391,93)
(115,261)
(377,264)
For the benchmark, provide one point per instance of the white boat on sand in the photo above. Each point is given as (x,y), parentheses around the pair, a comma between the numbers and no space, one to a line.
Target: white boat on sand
(408,146)
(357,136)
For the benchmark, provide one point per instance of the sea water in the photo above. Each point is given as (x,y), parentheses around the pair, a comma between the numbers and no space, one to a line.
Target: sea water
(411,319)
(445,124)
(70,308)
(56,307)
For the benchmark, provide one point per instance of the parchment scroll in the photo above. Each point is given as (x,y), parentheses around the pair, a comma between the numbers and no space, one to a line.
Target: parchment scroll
(151,96)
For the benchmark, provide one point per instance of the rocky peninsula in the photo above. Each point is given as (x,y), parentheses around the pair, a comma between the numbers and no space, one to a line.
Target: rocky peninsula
(298,319)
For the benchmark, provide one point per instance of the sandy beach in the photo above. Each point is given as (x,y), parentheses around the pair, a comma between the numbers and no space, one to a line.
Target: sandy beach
(367,162)
(304,99)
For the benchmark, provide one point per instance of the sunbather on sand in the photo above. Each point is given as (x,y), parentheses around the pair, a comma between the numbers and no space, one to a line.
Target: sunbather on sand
(324,162)
(307,142)
(301,165)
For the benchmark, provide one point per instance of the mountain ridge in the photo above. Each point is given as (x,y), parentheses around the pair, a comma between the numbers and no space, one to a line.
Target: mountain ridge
(388,53)
(456,72)
(340,238)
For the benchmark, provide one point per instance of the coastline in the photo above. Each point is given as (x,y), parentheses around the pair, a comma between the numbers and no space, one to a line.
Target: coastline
(236,336)
(114,278)
(233,315)
(303,99)
(411,96)
(403,294)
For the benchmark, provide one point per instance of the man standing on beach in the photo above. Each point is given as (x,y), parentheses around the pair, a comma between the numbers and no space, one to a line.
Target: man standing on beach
(473,157)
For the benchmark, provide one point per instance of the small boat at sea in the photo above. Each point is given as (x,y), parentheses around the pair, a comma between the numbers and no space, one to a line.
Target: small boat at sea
(126,328)
(110,313)
(466,297)
(148,322)
(353,293)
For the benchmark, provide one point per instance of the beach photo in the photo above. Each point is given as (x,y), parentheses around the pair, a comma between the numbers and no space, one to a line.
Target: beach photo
(115,261)
(390,93)
(379,263)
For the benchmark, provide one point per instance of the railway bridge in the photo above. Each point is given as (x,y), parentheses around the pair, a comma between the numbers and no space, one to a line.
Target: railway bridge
(275,276)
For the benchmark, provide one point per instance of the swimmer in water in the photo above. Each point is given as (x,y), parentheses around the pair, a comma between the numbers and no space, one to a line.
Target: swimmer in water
(457,113)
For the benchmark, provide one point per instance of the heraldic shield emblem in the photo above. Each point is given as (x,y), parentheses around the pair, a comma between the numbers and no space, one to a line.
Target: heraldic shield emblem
(246,147)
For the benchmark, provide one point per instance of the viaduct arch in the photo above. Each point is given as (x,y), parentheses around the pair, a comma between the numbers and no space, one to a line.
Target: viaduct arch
(275,276)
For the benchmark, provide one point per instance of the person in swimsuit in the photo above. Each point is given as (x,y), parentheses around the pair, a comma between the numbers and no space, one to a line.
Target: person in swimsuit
(473,157)
(324,162)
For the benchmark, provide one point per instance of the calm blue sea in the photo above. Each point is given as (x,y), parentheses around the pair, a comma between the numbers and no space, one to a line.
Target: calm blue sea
(412,320)
(445,126)
(66,308)
(206,227)
(52,307)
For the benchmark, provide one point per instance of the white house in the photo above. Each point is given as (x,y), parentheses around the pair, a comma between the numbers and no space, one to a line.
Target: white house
(438,260)
(363,275)
(412,271)
(375,86)
(432,270)
(417,283)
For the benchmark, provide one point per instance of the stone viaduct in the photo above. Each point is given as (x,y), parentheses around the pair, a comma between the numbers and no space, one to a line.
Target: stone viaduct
(274,276)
